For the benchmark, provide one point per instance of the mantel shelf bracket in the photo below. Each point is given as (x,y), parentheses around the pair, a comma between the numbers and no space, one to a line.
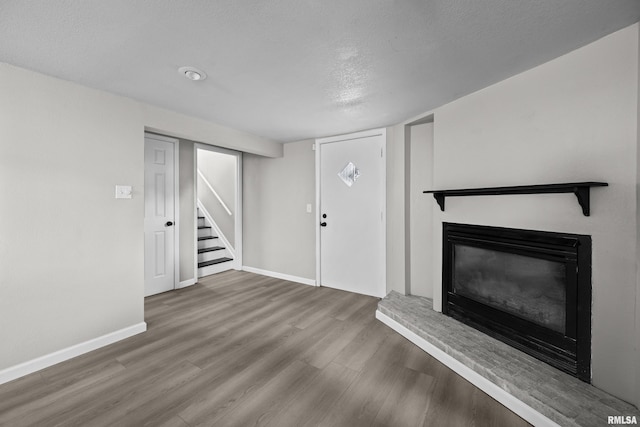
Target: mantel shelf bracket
(580,189)
(582,193)
(439,199)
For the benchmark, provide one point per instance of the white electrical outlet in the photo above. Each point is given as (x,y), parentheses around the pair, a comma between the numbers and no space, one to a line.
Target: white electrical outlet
(308,207)
(123,191)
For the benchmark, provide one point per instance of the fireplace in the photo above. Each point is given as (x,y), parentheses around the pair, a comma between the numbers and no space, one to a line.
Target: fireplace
(529,289)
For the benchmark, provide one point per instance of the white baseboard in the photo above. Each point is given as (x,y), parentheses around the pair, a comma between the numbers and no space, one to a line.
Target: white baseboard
(282,276)
(186,283)
(26,368)
(522,409)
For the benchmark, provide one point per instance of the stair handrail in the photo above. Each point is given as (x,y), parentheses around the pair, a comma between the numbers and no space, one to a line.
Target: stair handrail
(214,192)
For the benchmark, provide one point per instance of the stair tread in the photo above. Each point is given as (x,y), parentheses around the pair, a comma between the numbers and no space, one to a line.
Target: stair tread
(211,249)
(213,262)
(207,238)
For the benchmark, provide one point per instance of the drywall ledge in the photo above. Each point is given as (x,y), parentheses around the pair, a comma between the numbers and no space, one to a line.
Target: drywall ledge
(542,395)
(26,368)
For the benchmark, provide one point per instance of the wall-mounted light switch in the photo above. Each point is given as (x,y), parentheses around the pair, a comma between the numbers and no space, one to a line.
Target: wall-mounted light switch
(308,207)
(123,191)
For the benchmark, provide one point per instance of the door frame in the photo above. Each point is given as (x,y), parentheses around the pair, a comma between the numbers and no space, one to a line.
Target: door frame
(382,132)
(176,202)
(237,262)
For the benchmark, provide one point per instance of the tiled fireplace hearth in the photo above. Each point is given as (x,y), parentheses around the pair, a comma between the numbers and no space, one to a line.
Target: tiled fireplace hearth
(538,392)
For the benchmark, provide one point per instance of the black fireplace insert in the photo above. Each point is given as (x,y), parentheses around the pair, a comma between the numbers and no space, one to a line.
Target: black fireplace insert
(529,289)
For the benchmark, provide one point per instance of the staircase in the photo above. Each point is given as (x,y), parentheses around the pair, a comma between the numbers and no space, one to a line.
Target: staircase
(213,257)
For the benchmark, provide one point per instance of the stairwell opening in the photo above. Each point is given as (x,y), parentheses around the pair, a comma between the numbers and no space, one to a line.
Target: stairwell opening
(218,209)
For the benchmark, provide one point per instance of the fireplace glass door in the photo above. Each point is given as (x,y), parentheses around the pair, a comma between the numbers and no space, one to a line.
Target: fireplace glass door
(530,288)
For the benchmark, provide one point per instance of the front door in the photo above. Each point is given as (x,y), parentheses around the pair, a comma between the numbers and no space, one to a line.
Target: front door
(159,215)
(352,208)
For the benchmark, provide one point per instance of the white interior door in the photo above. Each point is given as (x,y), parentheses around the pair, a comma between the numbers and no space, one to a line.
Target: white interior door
(352,210)
(159,215)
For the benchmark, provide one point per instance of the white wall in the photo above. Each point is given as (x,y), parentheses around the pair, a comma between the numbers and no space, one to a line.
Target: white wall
(187,215)
(220,171)
(572,119)
(71,256)
(279,235)
(396,268)
(421,207)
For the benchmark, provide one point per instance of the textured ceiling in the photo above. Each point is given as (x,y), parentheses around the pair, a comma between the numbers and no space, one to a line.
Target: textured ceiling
(294,69)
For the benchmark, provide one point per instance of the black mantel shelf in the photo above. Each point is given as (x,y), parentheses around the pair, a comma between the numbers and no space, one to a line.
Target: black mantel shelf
(580,189)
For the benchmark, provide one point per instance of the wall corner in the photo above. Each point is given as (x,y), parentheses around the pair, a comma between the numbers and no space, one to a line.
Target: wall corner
(396,278)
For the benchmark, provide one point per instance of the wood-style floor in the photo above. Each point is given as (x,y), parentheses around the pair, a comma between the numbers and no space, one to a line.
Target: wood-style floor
(239,349)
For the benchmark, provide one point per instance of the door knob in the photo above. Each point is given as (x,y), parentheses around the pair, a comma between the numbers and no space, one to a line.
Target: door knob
(169,224)
(323,224)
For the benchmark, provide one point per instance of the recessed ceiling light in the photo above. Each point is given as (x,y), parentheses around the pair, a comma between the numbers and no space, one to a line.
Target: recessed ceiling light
(192,73)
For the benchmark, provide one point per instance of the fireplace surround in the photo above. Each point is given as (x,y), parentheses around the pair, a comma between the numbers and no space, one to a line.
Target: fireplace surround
(530,289)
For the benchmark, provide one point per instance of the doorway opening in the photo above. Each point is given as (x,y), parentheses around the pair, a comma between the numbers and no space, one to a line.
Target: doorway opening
(418,214)
(218,207)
